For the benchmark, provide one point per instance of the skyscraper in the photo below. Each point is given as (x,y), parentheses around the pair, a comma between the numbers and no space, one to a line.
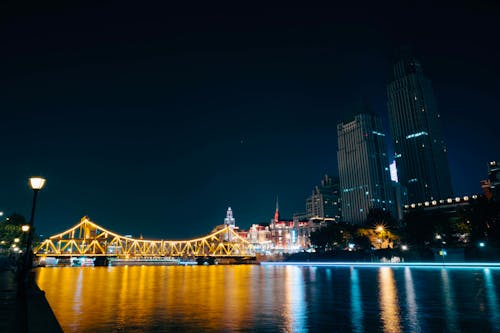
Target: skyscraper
(363,168)
(420,150)
(324,200)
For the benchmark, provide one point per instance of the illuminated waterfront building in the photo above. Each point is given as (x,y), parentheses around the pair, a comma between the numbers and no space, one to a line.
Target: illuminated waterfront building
(363,168)
(288,235)
(279,235)
(420,150)
(259,236)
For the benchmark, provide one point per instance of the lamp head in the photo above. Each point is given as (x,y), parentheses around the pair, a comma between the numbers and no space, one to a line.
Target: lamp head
(37,183)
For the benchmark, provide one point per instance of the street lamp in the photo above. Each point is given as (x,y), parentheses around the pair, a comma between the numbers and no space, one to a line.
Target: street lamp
(36,184)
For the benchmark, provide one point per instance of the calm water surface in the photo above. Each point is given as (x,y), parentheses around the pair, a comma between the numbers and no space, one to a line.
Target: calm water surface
(272,299)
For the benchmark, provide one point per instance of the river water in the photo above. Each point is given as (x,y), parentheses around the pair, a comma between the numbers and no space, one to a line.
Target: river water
(251,298)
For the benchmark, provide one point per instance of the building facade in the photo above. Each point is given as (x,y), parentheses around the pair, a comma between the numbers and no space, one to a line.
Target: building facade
(491,185)
(363,168)
(420,150)
(324,201)
(288,236)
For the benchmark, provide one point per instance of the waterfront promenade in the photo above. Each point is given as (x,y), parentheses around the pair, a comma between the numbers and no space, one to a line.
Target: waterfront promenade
(26,311)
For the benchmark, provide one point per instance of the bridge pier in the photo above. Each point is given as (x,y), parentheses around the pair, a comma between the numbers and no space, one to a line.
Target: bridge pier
(101,261)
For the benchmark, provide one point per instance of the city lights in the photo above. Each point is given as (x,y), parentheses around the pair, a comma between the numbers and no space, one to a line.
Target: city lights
(438,265)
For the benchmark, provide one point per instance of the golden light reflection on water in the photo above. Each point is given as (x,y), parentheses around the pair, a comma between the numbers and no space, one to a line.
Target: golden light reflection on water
(142,298)
(258,298)
(388,300)
(295,306)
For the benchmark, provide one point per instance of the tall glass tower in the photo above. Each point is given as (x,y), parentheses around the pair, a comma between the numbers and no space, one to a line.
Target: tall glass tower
(363,168)
(420,151)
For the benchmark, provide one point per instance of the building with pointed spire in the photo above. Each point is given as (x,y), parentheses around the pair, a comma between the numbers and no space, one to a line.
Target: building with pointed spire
(420,150)
(288,235)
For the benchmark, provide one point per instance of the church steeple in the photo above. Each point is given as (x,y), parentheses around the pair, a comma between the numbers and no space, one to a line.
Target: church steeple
(277,212)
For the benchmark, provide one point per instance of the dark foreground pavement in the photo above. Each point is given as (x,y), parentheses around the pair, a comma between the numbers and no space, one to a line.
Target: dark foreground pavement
(25,309)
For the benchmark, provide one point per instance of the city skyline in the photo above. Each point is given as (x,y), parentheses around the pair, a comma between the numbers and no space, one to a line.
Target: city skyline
(148,118)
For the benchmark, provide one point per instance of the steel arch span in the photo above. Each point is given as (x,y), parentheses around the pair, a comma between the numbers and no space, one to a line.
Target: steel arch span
(89,239)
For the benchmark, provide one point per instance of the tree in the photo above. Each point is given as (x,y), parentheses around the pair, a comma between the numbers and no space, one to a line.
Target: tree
(333,236)
(10,229)
(378,216)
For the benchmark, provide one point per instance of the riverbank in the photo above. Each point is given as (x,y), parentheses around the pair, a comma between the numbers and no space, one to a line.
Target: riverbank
(23,309)
(416,254)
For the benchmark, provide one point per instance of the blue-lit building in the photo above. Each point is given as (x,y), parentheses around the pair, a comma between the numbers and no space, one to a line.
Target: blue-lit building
(363,168)
(419,147)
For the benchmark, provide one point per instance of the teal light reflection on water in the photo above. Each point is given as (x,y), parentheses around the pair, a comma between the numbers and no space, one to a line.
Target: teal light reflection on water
(356,303)
(491,295)
(411,302)
(449,302)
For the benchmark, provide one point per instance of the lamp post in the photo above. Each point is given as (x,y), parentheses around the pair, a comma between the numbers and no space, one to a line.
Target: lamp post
(36,184)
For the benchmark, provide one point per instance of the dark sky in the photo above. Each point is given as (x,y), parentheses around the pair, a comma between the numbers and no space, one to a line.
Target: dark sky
(153,119)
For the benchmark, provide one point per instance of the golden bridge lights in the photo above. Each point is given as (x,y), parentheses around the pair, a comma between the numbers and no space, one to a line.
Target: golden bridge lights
(89,239)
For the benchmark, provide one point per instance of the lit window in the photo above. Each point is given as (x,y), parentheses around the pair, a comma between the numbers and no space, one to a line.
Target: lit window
(416,135)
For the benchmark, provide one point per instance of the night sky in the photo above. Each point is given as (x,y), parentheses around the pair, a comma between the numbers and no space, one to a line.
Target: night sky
(153,119)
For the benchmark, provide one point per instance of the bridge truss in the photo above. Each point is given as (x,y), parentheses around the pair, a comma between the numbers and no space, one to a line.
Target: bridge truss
(89,239)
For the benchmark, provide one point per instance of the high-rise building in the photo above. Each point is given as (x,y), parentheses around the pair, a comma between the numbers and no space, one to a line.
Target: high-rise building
(420,150)
(324,201)
(363,168)
(492,184)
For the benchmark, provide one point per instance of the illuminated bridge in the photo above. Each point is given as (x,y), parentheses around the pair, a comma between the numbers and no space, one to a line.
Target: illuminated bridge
(91,240)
